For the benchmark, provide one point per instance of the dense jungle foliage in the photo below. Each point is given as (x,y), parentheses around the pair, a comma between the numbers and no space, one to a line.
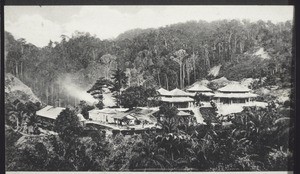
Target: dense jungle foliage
(172,56)
(258,139)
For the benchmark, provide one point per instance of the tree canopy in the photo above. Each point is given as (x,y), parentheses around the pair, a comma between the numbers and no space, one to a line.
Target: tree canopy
(149,57)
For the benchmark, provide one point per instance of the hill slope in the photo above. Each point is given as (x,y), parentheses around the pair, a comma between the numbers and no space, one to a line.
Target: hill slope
(15,89)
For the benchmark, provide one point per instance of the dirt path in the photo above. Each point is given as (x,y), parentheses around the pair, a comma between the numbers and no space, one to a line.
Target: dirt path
(198,115)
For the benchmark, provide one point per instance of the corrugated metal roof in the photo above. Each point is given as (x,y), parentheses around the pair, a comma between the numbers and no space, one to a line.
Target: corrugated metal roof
(234,88)
(163,91)
(235,95)
(50,112)
(208,94)
(199,88)
(178,92)
(176,99)
(53,112)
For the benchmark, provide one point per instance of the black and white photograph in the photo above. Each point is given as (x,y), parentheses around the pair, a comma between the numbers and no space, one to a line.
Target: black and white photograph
(206,88)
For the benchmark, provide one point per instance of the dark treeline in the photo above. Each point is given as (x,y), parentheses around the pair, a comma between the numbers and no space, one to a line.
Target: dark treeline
(172,56)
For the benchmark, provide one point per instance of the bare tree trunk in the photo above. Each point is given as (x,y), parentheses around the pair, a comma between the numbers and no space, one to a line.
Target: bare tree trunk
(52,94)
(47,95)
(129,77)
(183,75)
(58,93)
(180,75)
(221,52)
(235,43)
(158,79)
(21,70)
(17,122)
(229,44)
(241,47)
(194,67)
(94,55)
(177,85)
(167,82)
(195,75)
(207,58)
(17,71)
(188,76)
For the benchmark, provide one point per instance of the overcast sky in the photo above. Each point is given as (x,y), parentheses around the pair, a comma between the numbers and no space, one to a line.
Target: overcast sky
(38,24)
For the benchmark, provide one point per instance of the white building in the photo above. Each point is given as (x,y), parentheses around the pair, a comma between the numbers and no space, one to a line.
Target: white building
(104,115)
(234,94)
(176,97)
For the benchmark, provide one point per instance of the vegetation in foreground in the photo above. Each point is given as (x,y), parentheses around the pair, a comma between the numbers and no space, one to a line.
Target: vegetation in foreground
(174,56)
(258,139)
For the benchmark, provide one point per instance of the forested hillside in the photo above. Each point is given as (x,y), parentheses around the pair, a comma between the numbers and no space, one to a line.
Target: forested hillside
(171,56)
(80,67)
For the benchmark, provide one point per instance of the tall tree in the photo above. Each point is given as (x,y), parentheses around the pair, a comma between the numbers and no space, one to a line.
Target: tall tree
(97,90)
(108,61)
(180,56)
(119,81)
(67,125)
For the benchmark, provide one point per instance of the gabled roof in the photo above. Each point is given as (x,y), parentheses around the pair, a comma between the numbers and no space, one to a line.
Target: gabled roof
(234,88)
(208,94)
(199,88)
(178,92)
(235,95)
(163,91)
(50,112)
(176,99)
(53,112)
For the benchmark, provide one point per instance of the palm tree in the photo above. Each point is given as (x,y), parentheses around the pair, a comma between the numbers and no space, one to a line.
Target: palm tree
(167,118)
(146,155)
(17,116)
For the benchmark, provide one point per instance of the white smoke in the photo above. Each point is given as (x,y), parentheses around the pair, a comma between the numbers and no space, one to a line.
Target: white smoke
(73,89)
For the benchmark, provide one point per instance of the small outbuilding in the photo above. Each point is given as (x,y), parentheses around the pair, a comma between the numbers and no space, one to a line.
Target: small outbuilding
(46,116)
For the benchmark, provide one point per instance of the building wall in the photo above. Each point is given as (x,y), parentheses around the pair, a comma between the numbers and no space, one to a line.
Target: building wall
(104,117)
(232,100)
(180,105)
